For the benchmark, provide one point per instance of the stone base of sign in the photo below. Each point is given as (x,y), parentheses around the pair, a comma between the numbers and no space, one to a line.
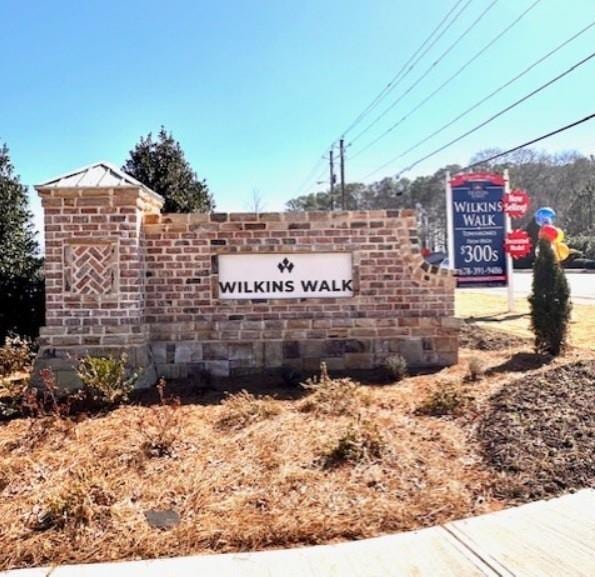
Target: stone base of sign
(187,358)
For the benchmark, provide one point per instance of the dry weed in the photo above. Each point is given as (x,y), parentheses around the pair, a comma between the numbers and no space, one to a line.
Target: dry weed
(476,369)
(243,409)
(361,442)
(447,399)
(73,504)
(15,355)
(332,396)
(160,425)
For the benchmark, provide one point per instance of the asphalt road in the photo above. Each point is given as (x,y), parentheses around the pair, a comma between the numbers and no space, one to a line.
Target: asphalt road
(582,286)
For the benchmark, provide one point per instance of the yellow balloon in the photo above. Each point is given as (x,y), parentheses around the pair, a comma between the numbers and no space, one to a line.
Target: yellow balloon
(561,236)
(562,251)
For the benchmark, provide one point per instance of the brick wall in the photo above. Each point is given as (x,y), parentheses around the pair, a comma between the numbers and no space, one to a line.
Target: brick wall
(121,276)
(400,304)
(94,275)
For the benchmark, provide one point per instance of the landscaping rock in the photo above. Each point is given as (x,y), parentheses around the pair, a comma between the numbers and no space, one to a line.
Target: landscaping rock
(162,519)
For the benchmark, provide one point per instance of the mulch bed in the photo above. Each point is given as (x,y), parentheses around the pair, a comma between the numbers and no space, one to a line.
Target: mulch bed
(472,336)
(312,465)
(540,432)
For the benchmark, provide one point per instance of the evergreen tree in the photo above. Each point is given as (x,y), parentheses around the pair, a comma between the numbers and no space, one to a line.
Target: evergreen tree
(21,284)
(550,302)
(162,166)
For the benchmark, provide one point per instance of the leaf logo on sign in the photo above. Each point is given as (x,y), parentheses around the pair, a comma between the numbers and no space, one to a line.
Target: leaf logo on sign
(285,265)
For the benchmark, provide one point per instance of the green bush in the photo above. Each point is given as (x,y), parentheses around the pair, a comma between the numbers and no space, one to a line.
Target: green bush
(106,379)
(550,302)
(396,366)
(584,243)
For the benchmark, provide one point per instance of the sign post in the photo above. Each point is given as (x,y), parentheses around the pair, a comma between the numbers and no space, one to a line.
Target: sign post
(449,225)
(508,228)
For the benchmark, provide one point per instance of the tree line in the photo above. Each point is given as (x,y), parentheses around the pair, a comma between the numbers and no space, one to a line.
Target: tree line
(565,181)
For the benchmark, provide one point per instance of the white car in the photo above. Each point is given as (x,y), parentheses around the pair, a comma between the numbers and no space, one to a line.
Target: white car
(444,264)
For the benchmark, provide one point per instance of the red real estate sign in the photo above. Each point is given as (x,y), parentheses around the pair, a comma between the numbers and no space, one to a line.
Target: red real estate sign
(518,244)
(516,203)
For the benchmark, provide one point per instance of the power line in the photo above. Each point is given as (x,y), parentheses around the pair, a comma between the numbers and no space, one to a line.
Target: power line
(530,142)
(499,89)
(308,178)
(408,66)
(403,72)
(306,182)
(491,118)
(449,80)
(427,71)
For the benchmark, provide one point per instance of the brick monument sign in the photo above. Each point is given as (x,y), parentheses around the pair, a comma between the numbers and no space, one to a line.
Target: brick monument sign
(232,294)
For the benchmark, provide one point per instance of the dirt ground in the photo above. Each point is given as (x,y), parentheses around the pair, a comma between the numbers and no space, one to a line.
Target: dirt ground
(332,462)
(541,430)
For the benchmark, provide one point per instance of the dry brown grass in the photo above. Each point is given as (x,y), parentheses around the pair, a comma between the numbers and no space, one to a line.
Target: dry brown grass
(245,474)
(471,305)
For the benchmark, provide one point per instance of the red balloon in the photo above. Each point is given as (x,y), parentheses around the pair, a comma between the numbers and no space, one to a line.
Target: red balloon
(549,232)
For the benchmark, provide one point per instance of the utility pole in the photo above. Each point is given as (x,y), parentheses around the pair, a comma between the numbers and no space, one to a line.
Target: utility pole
(342,159)
(332,178)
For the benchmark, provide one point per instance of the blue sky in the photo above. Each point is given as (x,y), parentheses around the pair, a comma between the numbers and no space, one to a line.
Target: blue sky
(255,91)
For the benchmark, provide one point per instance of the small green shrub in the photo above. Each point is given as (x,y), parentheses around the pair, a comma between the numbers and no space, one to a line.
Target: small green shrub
(550,302)
(15,355)
(448,399)
(106,379)
(476,369)
(359,443)
(396,366)
(332,396)
(584,243)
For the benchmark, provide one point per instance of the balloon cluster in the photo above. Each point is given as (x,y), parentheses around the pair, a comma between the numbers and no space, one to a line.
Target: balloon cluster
(545,218)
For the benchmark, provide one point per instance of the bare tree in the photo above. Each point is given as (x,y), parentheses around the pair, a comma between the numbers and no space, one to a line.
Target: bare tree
(255,203)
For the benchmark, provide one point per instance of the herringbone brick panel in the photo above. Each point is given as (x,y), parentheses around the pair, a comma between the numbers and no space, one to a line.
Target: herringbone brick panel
(90,269)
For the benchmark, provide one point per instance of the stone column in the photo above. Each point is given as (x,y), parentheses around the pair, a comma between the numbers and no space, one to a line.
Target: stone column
(95,277)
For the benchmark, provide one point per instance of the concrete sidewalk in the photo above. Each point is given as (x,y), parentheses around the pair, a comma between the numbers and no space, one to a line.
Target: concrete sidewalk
(554,538)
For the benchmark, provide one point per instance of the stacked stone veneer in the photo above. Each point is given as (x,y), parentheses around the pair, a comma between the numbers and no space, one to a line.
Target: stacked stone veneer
(122,276)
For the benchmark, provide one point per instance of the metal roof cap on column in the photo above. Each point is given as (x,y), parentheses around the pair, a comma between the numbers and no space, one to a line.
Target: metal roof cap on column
(97,175)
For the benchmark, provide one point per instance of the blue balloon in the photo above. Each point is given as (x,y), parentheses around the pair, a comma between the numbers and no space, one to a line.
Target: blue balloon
(545,215)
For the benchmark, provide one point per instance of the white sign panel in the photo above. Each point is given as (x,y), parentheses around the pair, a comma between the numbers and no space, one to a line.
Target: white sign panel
(285,276)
